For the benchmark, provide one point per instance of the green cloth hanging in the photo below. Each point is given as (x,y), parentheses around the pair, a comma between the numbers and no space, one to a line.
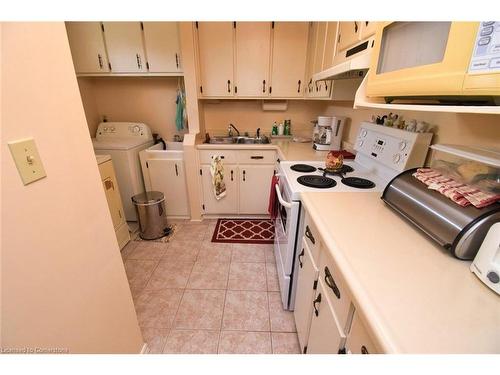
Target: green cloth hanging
(179,113)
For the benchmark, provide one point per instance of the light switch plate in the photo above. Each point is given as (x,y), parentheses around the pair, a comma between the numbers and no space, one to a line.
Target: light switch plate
(27,160)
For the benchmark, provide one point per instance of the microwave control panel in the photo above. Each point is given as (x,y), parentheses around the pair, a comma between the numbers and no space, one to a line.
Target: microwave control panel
(486,55)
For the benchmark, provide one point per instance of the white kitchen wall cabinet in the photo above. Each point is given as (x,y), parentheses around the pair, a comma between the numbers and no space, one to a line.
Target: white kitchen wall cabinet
(330,44)
(168,177)
(162,46)
(315,53)
(306,288)
(125,47)
(216,58)
(325,336)
(227,204)
(255,185)
(87,47)
(289,57)
(253,49)
(349,34)
(368,29)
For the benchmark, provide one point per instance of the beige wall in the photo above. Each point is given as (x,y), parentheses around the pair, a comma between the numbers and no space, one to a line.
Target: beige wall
(467,129)
(247,115)
(150,100)
(63,280)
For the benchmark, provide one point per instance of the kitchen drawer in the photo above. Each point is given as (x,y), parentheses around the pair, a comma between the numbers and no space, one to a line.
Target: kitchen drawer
(228,156)
(312,238)
(256,157)
(335,288)
(359,341)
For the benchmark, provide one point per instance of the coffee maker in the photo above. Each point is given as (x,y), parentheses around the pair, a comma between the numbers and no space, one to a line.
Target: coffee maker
(327,134)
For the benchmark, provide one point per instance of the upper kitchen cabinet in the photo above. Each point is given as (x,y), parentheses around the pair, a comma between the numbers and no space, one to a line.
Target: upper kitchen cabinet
(253,48)
(330,44)
(289,59)
(315,57)
(216,54)
(87,47)
(162,46)
(125,47)
(368,29)
(349,34)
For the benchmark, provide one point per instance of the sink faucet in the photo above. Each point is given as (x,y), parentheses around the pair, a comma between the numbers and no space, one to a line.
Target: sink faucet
(230,130)
(258,133)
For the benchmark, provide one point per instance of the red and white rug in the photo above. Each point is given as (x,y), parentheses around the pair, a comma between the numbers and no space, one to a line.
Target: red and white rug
(257,231)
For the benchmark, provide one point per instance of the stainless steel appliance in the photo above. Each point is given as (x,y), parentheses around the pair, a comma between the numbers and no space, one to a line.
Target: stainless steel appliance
(458,229)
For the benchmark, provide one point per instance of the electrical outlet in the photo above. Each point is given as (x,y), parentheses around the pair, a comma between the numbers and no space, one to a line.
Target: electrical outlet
(27,159)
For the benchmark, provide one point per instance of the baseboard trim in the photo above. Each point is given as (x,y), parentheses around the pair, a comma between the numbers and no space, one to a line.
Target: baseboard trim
(145,349)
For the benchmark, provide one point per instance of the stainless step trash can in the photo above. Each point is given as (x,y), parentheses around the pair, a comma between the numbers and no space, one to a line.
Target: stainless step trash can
(150,209)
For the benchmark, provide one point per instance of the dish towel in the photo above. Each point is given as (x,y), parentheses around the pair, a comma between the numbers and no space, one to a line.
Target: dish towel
(217,172)
(273,198)
(180,111)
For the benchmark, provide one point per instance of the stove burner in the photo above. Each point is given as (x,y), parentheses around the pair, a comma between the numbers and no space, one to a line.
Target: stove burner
(358,182)
(341,171)
(314,181)
(305,168)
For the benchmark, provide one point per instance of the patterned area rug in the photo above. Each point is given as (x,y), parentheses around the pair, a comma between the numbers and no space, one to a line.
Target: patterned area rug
(257,231)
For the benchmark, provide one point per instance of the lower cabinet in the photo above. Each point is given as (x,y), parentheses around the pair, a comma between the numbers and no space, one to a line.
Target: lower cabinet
(358,340)
(110,185)
(247,176)
(255,184)
(227,204)
(325,336)
(306,287)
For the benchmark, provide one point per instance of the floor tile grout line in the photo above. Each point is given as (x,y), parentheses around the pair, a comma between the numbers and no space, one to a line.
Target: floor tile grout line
(180,302)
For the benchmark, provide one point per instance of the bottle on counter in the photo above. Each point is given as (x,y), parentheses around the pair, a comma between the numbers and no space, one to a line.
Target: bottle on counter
(281,129)
(287,130)
(274,131)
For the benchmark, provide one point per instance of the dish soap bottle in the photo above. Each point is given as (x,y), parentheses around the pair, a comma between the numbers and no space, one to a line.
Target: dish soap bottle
(281,129)
(274,131)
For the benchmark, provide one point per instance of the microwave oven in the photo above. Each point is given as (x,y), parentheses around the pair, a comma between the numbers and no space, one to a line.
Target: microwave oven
(447,62)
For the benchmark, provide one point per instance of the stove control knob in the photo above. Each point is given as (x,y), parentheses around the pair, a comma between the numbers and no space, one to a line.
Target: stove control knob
(402,145)
(105,128)
(136,129)
(364,133)
(112,128)
(396,158)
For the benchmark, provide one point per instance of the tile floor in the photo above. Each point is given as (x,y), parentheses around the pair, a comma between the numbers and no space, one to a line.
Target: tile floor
(195,296)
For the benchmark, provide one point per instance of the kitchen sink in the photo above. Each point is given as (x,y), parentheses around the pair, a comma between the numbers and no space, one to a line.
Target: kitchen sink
(239,140)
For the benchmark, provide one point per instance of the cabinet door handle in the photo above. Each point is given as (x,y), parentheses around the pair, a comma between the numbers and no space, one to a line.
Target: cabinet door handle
(330,281)
(355,27)
(256,157)
(317,300)
(231,175)
(309,85)
(310,235)
(298,88)
(228,85)
(176,170)
(300,256)
(244,173)
(364,350)
(99,58)
(264,86)
(177,61)
(139,63)
(366,23)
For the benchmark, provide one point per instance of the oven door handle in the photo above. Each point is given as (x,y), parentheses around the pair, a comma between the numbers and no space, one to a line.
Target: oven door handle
(280,198)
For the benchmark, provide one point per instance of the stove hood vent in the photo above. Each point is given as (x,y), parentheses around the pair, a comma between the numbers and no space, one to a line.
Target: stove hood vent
(350,64)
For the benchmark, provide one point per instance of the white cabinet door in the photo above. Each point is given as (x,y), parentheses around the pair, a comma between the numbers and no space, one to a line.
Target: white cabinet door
(330,44)
(125,47)
(289,59)
(253,49)
(306,281)
(227,204)
(87,47)
(255,185)
(216,55)
(349,34)
(325,336)
(358,341)
(320,47)
(168,177)
(162,47)
(316,51)
(368,28)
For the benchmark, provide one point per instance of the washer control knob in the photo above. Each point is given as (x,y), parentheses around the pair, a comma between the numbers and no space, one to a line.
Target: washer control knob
(402,145)
(493,277)
(396,158)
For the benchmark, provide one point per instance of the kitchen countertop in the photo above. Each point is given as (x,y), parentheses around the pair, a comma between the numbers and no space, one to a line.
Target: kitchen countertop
(287,150)
(414,296)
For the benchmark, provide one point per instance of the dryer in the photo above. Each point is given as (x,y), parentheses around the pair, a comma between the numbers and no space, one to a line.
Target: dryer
(123,141)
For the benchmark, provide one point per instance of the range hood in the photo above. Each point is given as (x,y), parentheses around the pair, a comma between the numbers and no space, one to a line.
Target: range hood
(349,64)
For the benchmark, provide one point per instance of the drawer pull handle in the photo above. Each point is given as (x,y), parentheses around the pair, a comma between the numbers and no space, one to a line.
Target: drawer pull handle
(364,350)
(310,235)
(256,157)
(300,256)
(231,175)
(176,170)
(331,283)
(264,86)
(317,300)
(228,85)
(244,173)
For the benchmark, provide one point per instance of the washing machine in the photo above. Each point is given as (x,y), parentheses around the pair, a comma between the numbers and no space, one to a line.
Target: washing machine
(123,141)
